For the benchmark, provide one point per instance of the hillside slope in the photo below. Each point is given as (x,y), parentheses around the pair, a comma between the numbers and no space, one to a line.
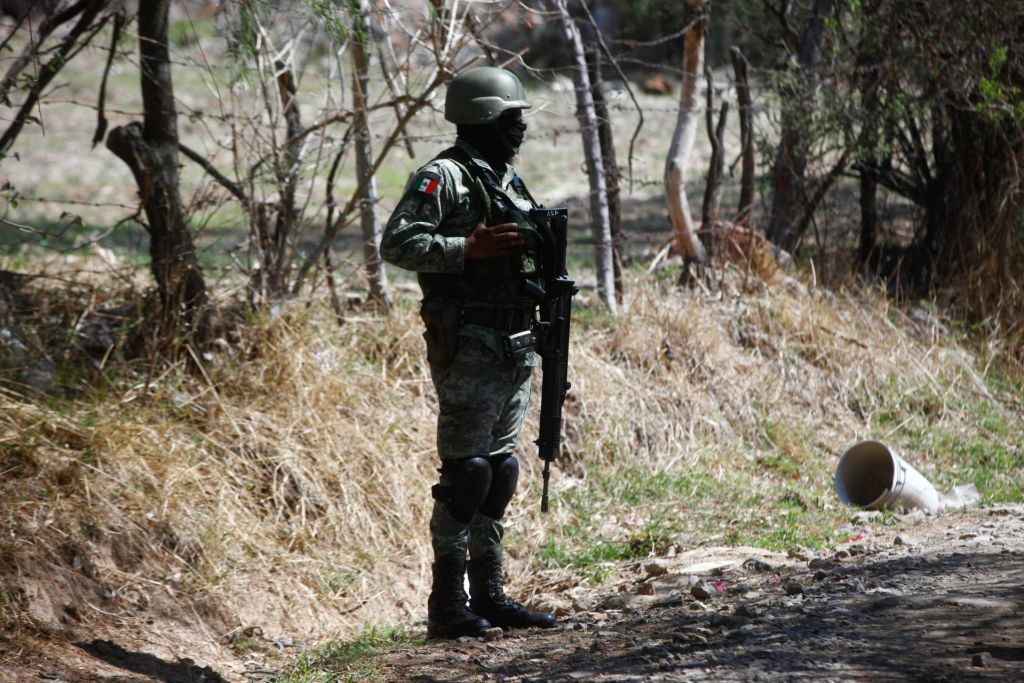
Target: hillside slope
(279,497)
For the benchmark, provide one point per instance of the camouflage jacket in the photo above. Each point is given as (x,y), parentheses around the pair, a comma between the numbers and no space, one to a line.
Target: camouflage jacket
(440,208)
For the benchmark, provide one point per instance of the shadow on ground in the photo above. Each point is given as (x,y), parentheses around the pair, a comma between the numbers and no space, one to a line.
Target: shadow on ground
(183,671)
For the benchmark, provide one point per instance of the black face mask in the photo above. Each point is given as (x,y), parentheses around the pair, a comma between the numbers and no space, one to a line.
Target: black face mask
(498,141)
(512,131)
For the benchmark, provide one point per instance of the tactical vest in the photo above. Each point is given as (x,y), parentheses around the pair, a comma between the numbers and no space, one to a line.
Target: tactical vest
(496,281)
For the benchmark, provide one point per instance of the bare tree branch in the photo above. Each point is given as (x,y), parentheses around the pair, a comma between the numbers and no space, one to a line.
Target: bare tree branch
(222,179)
(101,117)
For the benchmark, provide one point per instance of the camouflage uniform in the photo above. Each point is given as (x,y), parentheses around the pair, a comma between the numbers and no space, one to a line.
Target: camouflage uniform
(482,393)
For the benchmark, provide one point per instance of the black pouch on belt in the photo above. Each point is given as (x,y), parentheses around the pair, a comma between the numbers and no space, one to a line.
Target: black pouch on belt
(518,345)
(442,321)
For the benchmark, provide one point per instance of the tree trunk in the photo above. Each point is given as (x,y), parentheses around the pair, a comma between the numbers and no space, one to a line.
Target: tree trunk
(150,150)
(868,210)
(791,158)
(611,170)
(683,138)
(369,221)
(741,67)
(287,168)
(716,166)
(585,113)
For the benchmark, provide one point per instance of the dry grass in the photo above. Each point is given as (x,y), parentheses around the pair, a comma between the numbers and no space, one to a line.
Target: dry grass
(287,485)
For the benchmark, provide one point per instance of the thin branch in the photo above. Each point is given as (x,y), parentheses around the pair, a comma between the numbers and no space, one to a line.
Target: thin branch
(393,89)
(632,44)
(224,181)
(820,192)
(782,14)
(629,89)
(84,27)
(342,219)
(101,117)
(27,53)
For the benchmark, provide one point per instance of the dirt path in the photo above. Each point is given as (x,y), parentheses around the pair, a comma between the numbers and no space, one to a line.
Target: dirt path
(942,600)
(938,599)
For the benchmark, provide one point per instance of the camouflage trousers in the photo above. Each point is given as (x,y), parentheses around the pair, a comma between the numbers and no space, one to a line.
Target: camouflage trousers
(482,398)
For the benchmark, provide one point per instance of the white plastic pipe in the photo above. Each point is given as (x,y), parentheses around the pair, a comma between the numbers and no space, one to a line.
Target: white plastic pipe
(872,476)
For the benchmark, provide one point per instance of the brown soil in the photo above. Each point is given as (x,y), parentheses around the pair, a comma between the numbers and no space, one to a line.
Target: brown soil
(929,599)
(944,602)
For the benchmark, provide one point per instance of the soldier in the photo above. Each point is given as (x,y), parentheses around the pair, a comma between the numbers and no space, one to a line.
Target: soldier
(463,226)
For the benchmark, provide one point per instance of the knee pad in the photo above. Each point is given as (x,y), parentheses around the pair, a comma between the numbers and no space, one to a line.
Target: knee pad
(504,477)
(464,486)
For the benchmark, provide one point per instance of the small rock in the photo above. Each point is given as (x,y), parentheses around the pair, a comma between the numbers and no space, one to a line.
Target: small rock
(745,609)
(670,601)
(743,631)
(692,580)
(607,634)
(617,601)
(580,675)
(718,619)
(793,587)
(701,591)
(842,554)
(865,516)
(900,540)
(584,602)
(798,553)
(658,84)
(981,659)
(645,589)
(857,549)
(820,575)
(655,568)
(912,517)
(492,634)
(739,588)
(755,565)
(557,604)
(822,563)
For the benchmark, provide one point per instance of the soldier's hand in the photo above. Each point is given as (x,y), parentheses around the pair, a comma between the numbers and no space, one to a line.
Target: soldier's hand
(495,240)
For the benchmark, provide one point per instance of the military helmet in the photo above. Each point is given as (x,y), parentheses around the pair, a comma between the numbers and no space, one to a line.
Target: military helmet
(480,95)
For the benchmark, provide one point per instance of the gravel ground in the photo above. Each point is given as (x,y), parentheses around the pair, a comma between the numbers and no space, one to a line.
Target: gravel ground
(937,599)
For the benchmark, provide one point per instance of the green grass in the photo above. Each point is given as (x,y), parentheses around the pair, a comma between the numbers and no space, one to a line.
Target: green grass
(957,438)
(347,660)
(684,507)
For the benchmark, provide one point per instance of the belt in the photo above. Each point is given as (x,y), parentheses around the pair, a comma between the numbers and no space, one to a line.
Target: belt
(505,319)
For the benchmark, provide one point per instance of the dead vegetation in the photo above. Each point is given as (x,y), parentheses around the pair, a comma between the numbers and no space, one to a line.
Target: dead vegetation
(281,485)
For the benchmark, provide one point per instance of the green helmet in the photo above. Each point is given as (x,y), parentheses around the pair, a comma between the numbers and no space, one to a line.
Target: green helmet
(480,95)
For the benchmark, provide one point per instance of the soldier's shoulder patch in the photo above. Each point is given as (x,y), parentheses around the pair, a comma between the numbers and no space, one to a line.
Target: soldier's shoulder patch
(427,182)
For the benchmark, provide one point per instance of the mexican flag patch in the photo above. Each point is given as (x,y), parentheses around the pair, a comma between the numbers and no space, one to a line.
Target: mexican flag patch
(427,183)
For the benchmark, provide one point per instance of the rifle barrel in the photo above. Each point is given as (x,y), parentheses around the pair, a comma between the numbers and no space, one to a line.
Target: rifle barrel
(544,494)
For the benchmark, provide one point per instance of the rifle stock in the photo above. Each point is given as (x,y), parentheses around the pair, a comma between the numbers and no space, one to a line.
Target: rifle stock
(552,331)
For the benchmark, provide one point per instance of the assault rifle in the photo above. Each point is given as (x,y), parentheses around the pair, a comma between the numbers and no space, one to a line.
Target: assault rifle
(552,333)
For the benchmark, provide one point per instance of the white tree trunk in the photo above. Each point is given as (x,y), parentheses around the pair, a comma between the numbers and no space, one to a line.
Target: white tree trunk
(600,221)
(690,109)
(369,221)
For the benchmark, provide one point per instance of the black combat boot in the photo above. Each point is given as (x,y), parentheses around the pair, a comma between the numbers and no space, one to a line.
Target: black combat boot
(488,598)
(447,614)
